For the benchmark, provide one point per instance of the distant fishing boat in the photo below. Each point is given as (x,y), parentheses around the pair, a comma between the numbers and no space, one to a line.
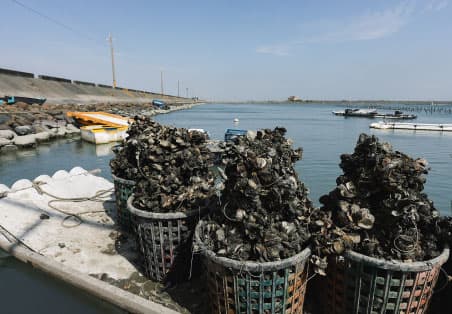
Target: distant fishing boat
(373,113)
(354,112)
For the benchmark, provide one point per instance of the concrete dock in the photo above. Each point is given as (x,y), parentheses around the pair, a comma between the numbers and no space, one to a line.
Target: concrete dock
(64,225)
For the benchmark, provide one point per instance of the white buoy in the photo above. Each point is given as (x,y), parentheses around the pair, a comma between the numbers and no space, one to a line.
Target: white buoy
(236,120)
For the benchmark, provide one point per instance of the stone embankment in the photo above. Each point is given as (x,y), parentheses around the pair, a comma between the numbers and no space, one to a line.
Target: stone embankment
(23,125)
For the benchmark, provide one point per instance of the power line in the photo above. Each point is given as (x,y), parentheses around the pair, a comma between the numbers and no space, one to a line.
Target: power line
(65,26)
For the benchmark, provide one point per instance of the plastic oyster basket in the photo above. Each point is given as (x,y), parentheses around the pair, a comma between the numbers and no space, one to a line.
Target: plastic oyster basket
(123,190)
(253,287)
(358,283)
(164,237)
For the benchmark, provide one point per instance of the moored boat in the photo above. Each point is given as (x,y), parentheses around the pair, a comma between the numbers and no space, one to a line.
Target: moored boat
(11,100)
(99,118)
(355,112)
(102,134)
(373,113)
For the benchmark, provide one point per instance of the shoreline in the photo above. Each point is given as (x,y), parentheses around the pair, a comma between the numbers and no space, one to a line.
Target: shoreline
(342,102)
(26,126)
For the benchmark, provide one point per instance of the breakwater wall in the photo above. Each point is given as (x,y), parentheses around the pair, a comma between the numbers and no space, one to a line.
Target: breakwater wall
(58,90)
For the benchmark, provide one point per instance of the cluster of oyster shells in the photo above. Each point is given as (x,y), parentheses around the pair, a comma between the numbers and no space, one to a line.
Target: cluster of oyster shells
(264,206)
(170,166)
(378,207)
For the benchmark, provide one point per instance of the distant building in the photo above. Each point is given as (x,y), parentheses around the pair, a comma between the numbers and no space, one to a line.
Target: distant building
(294,98)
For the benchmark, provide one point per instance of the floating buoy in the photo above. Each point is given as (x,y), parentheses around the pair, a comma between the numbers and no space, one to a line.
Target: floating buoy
(236,120)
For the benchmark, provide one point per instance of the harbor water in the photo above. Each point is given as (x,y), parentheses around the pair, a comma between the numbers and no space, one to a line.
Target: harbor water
(323,137)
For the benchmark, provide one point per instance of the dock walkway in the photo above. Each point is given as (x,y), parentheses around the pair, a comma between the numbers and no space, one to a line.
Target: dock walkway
(412,126)
(64,225)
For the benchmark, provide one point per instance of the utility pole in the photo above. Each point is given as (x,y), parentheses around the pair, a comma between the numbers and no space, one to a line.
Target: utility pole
(178,94)
(161,81)
(186,91)
(112,60)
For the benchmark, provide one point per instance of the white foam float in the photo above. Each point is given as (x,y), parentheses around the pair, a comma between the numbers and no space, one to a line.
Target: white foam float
(43,178)
(4,189)
(21,184)
(60,174)
(77,171)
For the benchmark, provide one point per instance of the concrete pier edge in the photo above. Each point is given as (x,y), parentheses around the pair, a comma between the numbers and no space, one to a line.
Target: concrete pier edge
(116,296)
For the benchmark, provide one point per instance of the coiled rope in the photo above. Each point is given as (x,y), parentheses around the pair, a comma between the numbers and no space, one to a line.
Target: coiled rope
(99,196)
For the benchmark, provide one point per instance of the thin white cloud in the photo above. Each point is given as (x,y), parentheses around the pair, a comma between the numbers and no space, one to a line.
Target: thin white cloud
(374,25)
(370,26)
(277,50)
(435,5)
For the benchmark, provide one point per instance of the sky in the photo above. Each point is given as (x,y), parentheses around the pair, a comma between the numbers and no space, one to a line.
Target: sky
(239,50)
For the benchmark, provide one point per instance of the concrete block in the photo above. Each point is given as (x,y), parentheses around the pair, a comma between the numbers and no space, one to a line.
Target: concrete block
(71,129)
(42,136)
(25,141)
(61,131)
(8,134)
(4,141)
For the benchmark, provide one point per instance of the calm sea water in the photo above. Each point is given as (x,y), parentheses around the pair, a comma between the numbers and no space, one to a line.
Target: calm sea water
(323,137)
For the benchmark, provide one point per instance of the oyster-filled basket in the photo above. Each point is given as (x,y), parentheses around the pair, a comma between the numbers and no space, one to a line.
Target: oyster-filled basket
(253,287)
(123,190)
(358,283)
(163,237)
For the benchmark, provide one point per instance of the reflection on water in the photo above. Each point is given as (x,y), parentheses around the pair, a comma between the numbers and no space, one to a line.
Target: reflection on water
(27,290)
(53,156)
(103,150)
(3,254)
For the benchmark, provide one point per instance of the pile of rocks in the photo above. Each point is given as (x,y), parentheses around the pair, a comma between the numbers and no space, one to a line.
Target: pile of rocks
(265,208)
(378,207)
(23,125)
(170,167)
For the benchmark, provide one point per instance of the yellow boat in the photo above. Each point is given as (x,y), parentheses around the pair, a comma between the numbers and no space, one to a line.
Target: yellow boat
(102,134)
(99,118)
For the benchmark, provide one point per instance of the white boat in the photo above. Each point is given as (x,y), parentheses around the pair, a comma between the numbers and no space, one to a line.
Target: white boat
(102,134)
(412,126)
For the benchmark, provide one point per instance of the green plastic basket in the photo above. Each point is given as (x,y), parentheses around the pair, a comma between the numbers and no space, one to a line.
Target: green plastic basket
(252,287)
(123,190)
(164,240)
(361,284)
